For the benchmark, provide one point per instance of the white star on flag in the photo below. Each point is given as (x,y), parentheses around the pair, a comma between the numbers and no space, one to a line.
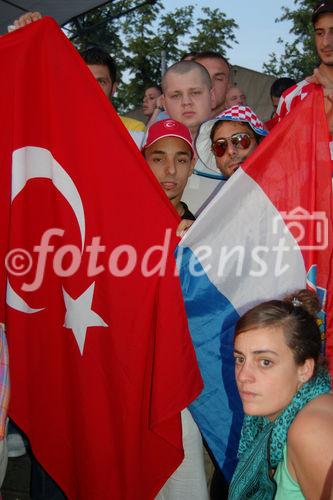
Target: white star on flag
(79,315)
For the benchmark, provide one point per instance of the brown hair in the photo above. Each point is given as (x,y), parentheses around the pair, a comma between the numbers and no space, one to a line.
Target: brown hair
(295,314)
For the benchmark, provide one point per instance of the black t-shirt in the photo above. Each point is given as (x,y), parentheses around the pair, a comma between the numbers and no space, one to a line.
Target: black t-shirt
(187,214)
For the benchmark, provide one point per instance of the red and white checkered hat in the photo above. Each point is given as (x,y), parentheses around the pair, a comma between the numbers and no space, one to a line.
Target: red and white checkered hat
(167,128)
(203,142)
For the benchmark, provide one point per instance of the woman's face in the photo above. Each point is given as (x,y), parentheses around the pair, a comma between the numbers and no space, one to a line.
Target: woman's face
(266,373)
(149,100)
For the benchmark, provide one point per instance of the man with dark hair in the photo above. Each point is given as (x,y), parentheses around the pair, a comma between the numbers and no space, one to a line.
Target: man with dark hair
(322,20)
(225,142)
(279,86)
(103,67)
(219,72)
(169,152)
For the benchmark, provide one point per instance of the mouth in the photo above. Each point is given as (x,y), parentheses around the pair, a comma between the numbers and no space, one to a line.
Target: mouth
(234,166)
(247,395)
(188,114)
(168,185)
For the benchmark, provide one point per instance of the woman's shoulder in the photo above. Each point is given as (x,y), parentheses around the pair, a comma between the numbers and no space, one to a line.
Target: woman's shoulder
(313,421)
(310,445)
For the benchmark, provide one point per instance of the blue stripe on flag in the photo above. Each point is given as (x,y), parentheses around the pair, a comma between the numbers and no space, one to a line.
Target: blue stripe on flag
(218,409)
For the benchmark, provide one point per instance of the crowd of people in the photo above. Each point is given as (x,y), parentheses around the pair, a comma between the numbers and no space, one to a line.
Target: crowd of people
(196,117)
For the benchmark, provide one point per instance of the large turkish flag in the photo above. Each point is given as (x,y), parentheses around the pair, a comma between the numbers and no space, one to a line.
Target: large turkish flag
(101,361)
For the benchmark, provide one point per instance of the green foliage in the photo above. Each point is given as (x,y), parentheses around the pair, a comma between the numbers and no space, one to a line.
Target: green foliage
(138,39)
(299,57)
(220,29)
(145,39)
(98,28)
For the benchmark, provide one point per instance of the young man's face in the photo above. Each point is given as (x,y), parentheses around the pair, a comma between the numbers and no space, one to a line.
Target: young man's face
(234,156)
(187,98)
(219,75)
(102,75)
(170,160)
(324,38)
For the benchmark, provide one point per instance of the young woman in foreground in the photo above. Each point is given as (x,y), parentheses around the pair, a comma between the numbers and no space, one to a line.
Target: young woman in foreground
(286,447)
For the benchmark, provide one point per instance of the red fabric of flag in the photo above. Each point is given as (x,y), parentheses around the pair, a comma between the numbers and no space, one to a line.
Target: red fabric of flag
(294,168)
(101,361)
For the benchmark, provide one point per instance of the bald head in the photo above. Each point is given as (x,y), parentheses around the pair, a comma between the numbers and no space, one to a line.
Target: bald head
(185,67)
(187,94)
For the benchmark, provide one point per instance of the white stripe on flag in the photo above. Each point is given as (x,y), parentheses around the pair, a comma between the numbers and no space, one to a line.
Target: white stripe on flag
(252,255)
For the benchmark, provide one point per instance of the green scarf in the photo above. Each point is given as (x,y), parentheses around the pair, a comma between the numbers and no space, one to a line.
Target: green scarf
(262,442)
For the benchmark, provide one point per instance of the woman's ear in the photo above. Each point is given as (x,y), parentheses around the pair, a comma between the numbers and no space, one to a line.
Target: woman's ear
(306,370)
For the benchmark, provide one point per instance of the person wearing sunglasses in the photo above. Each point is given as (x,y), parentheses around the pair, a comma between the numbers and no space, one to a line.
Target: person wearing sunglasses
(225,142)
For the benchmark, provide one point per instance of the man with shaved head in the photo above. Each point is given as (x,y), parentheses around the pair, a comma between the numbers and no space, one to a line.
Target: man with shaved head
(187,94)
(219,72)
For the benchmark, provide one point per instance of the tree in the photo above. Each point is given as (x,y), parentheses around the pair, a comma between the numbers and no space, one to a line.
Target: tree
(98,28)
(148,35)
(220,29)
(146,38)
(299,57)
(137,40)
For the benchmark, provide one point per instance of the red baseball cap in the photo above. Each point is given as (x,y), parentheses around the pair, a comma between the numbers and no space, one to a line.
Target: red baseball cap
(167,128)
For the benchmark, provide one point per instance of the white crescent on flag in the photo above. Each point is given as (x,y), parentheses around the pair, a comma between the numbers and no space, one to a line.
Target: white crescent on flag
(32,162)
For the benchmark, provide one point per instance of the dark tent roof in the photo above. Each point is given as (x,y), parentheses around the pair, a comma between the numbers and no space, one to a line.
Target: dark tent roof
(61,10)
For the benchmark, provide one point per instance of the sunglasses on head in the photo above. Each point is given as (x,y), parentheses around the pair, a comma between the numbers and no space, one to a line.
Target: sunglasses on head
(239,141)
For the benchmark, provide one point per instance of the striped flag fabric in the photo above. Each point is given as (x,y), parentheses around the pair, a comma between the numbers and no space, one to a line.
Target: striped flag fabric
(267,232)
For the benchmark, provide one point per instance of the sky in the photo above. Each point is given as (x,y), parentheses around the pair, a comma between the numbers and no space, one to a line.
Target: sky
(257,33)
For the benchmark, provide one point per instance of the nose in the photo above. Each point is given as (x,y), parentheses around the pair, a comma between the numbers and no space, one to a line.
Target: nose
(328,39)
(186,99)
(170,167)
(231,149)
(244,372)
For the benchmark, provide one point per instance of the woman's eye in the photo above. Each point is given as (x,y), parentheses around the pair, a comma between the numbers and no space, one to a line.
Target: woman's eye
(265,362)
(239,360)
